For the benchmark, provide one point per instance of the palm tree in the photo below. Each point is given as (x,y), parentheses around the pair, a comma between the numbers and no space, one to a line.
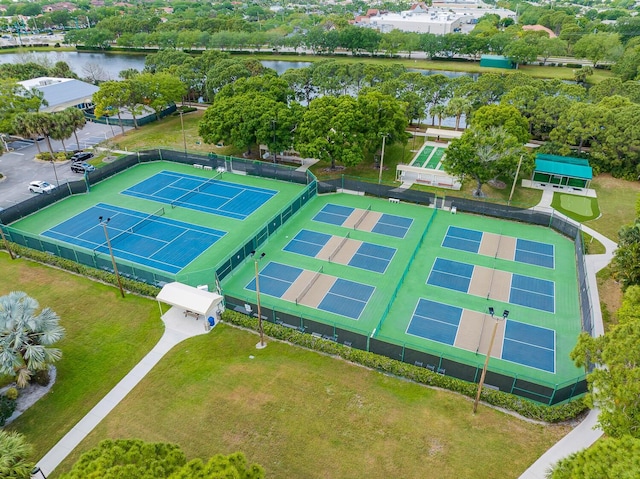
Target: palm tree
(76,120)
(62,128)
(14,454)
(456,107)
(438,111)
(24,126)
(25,337)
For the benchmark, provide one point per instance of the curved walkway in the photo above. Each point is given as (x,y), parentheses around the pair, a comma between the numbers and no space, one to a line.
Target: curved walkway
(586,433)
(173,335)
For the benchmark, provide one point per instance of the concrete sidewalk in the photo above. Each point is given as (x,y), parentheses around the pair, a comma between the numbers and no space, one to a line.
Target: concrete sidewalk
(68,443)
(586,433)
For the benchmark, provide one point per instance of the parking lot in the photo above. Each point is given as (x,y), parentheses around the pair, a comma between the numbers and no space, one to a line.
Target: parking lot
(20,167)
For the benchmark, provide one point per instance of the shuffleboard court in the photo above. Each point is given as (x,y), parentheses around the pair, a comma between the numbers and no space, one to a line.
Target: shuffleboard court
(342,250)
(517,342)
(500,246)
(314,289)
(364,220)
(150,240)
(210,195)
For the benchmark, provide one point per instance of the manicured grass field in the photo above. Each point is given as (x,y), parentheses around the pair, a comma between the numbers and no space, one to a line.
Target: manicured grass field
(303,414)
(299,413)
(617,199)
(105,337)
(580,208)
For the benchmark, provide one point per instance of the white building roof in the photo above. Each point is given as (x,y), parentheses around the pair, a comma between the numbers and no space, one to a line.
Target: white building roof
(61,93)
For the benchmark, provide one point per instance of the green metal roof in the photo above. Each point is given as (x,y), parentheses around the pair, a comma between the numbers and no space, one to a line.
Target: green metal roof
(564,166)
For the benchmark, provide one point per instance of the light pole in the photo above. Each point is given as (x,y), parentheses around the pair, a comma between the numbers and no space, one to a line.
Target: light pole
(53,163)
(384,138)
(184,138)
(37,470)
(113,260)
(273,127)
(261,344)
(486,361)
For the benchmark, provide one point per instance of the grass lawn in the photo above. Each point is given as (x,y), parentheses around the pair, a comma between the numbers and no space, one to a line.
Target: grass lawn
(303,414)
(617,199)
(580,208)
(105,337)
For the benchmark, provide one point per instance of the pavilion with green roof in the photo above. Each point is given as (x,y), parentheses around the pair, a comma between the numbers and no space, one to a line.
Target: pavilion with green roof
(562,172)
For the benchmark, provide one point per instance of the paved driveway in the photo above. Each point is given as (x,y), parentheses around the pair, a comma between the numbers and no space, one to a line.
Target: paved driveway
(20,167)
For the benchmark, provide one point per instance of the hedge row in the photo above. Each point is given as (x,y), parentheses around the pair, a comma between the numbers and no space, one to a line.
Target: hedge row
(529,409)
(137,287)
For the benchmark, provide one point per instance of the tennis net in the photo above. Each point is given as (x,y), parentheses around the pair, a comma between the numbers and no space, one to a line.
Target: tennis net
(197,189)
(310,285)
(339,247)
(364,215)
(135,227)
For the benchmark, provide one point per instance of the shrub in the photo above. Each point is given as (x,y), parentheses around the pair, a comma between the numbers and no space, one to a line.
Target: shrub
(41,377)
(529,409)
(131,285)
(12,393)
(7,406)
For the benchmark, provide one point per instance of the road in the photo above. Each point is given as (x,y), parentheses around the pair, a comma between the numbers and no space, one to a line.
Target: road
(20,167)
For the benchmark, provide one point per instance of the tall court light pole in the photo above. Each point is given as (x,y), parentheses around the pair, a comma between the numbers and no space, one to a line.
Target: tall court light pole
(486,361)
(384,138)
(113,260)
(256,260)
(184,138)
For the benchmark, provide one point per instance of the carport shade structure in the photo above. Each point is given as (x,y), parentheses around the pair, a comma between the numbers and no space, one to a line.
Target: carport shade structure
(564,171)
(188,298)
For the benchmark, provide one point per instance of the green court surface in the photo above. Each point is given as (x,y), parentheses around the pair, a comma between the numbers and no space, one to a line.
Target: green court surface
(200,270)
(411,284)
(384,284)
(421,158)
(435,159)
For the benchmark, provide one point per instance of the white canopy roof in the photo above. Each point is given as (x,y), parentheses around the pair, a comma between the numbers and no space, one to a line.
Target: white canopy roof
(188,297)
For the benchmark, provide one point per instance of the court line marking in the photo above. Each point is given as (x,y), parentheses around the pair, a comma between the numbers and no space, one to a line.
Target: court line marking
(529,366)
(531,344)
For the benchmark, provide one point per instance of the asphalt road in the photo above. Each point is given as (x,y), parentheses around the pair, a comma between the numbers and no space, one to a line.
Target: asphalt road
(20,167)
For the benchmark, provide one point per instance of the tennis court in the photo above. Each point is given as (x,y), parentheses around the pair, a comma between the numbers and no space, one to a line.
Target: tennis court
(152,240)
(209,195)
(500,246)
(314,289)
(342,250)
(364,220)
(495,284)
(517,342)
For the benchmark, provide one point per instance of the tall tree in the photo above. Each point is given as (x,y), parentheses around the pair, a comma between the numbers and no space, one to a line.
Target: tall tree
(598,46)
(614,387)
(332,130)
(135,459)
(483,154)
(26,337)
(112,98)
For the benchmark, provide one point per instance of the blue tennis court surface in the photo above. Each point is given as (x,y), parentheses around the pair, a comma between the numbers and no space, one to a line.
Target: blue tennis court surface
(369,256)
(435,321)
(532,292)
(159,242)
(308,243)
(534,252)
(202,194)
(346,298)
(529,345)
(451,274)
(389,225)
(463,239)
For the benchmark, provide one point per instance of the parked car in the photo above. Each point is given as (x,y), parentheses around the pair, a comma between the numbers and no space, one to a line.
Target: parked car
(41,187)
(82,167)
(81,156)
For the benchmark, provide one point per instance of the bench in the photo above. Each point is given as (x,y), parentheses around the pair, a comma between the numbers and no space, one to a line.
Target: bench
(193,314)
(208,168)
(197,166)
(394,200)
(316,335)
